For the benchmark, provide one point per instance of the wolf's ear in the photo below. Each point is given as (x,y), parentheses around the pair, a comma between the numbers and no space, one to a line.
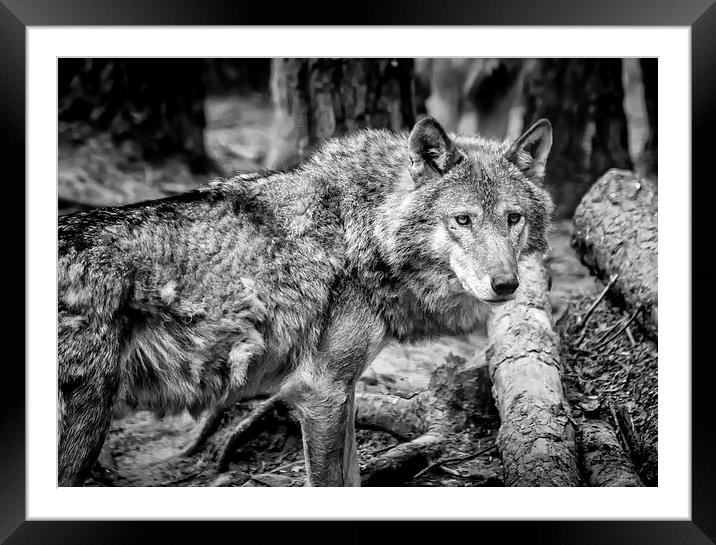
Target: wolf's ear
(529,152)
(432,153)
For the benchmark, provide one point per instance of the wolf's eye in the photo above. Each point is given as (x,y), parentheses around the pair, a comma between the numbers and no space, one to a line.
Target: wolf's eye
(513,219)
(462,220)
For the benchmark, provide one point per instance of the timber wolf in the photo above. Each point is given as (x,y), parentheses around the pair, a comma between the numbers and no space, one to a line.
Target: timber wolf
(290,281)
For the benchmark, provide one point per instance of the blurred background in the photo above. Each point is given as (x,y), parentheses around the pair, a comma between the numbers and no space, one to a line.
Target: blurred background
(136,129)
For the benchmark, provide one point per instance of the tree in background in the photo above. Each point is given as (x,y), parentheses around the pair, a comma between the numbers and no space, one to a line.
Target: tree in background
(472,96)
(155,108)
(155,105)
(649,77)
(237,76)
(493,92)
(315,99)
(583,98)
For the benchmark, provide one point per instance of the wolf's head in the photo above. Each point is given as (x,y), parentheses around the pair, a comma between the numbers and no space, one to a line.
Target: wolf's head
(476,205)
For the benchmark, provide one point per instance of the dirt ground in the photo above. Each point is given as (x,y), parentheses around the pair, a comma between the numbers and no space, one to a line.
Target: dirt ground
(144,451)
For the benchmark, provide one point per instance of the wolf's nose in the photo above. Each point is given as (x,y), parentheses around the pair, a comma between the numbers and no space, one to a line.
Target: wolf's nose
(504,284)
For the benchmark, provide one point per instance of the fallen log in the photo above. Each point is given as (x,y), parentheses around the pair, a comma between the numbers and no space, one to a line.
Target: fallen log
(616,376)
(603,460)
(643,448)
(404,418)
(457,394)
(402,462)
(615,235)
(536,439)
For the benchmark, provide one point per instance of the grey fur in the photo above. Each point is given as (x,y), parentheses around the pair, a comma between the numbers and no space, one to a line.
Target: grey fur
(280,280)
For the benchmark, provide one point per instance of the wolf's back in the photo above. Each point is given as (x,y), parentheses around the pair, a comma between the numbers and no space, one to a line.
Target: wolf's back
(101,250)
(92,275)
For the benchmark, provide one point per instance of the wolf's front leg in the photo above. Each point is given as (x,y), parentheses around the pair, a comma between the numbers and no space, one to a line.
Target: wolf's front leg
(323,391)
(327,415)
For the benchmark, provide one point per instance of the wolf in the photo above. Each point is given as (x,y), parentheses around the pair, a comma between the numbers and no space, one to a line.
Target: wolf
(291,282)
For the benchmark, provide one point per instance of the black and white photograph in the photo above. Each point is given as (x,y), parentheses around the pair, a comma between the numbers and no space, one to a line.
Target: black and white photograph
(295,271)
(377,272)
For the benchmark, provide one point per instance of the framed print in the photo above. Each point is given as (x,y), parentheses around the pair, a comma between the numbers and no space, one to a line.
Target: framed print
(416,252)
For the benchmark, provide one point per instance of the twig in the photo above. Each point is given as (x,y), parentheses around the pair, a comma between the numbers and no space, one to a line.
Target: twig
(211,424)
(257,476)
(245,428)
(606,334)
(584,351)
(617,427)
(631,337)
(450,472)
(626,432)
(456,459)
(604,341)
(582,322)
(630,434)
(382,450)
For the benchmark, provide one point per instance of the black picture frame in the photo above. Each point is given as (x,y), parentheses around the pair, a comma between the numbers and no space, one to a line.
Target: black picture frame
(17,15)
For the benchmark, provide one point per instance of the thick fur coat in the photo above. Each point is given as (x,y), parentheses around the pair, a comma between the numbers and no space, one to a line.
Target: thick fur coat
(288,280)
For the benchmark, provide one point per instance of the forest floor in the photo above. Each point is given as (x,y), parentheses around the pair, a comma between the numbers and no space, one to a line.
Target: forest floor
(142,450)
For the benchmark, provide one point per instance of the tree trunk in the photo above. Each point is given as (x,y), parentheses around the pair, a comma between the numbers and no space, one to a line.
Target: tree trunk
(156,105)
(537,436)
(616,233)
(446,100)
(493,91)
(649,74)
(583,99)
(471,96)
(315,99)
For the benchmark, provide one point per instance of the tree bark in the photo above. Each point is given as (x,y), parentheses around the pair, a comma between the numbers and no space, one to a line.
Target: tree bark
(315,99)
(602,457)
(405,418)
(458,393)
(643,447)
(616,233)
(536,437)
(583,99)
